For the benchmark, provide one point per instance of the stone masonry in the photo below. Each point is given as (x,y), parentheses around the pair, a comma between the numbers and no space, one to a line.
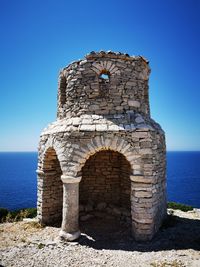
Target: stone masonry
(104,150)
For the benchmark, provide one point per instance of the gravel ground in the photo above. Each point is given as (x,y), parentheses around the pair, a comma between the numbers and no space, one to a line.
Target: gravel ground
(104,242)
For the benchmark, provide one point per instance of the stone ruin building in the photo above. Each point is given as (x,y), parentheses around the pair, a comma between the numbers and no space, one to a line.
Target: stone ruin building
(104,151)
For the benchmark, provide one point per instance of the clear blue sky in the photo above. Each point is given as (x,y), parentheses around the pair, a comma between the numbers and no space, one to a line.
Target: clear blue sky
(38,38)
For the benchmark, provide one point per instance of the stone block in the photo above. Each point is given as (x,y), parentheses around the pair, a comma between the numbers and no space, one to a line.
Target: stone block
(143,194)
(89,128)
(101,128)
(133,103)
(141,179)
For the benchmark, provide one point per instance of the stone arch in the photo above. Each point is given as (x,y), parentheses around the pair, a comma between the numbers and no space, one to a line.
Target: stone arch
(109,66)
(114,143)
(106,178)
(59,149)
(50,191)
(104,75)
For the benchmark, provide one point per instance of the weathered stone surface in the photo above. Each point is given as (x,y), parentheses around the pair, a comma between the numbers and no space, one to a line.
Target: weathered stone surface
(101,127)
(85,127)
(142,194)
(141,179)
(105,139)
(101,206)
(86,217)
(133,103)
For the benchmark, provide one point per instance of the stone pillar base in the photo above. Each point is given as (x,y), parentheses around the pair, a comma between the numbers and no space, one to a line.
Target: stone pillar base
(69,236)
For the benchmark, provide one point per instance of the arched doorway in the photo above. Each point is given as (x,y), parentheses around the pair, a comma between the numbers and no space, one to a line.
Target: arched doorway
(51,190)
(105,187)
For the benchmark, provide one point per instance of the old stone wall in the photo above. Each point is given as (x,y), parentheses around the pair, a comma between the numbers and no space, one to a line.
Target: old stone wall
(82,90)
(106,178)
(50,190)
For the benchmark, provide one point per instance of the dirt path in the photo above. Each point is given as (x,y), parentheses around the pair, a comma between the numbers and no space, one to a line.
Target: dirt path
(104,242)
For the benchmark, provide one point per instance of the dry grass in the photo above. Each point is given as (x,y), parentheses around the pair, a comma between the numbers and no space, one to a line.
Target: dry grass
(174,263)
(18,232)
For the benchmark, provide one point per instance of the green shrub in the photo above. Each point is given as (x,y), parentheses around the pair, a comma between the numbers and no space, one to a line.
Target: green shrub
(30,212)
(40,245)
(179,206)
(17,215)
(3,213)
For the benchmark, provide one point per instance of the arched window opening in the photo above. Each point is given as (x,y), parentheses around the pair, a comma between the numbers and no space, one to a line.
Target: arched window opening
(62,91)
(104,75)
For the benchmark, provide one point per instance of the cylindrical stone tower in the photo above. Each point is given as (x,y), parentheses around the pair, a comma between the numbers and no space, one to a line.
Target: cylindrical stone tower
(105,140)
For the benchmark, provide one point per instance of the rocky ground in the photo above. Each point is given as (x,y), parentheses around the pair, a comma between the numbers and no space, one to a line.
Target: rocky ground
(105,241)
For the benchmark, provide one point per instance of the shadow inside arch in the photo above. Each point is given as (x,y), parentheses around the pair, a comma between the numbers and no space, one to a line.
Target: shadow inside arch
(177,234)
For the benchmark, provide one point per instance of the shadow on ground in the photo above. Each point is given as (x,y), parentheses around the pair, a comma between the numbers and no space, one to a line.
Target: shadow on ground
(108,233)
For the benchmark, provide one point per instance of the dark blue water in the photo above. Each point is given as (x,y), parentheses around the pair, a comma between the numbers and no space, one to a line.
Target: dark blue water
(18,186)
(183,177)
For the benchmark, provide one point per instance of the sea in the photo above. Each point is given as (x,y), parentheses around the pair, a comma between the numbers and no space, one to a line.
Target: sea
(18,182)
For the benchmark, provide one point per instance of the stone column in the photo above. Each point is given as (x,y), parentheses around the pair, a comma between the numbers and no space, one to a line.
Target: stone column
(70,226)
(142,209)
(40,204)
